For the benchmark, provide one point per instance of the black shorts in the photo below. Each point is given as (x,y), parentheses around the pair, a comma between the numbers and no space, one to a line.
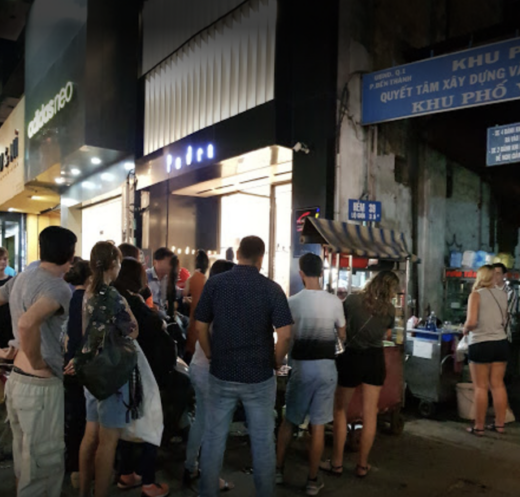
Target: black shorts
(489,352)
(357,366)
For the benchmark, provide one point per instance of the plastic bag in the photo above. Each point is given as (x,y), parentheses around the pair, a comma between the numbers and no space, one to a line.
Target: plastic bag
(462,348)
(149,427)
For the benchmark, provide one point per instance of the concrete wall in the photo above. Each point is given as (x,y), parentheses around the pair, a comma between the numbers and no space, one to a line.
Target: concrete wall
(431,199)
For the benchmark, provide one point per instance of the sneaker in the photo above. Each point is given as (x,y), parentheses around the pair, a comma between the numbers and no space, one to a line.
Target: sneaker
(127,482)
(155,490)
(313,487)
(279,476)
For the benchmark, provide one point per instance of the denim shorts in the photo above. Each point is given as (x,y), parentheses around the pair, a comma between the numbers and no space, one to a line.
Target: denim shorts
(111,412)
(310,391)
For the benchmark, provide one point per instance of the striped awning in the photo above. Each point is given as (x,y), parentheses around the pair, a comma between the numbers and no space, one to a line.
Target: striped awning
(356,240)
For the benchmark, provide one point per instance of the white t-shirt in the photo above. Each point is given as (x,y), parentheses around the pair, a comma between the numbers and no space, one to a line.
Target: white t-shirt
(316,314)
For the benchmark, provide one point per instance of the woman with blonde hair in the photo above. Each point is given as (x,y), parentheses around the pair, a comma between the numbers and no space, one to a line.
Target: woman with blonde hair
(488,349)
(370,317)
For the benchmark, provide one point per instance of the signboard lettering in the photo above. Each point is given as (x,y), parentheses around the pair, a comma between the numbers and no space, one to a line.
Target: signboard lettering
(478,76)
(50,109)
(363,210)
(503,145)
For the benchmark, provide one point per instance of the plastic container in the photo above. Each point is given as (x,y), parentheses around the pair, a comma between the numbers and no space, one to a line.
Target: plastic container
(465,401)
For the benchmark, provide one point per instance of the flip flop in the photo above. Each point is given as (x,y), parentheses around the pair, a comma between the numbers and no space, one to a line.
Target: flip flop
(327,467)
(228,486)
(365,469)
(475,431)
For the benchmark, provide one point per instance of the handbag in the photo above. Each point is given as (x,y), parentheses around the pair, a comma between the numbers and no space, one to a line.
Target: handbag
(105,371)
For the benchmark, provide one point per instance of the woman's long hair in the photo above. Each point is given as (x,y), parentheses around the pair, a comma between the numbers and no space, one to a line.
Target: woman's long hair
(131,278)
(378,294)
(173,276)
(102,258)
(485,278)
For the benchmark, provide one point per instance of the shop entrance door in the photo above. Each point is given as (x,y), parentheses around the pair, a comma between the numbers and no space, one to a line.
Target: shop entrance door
(263,212)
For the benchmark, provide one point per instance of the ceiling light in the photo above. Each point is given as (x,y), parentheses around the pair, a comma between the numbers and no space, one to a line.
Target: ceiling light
(88,185)
(169,161)
(173,249)
(36,197)
(107,177)
(96,161)
(187,250)
(59,181)
(12,209)
(178,163)
(68,202)
(75,171)
(179,251)
(129,166)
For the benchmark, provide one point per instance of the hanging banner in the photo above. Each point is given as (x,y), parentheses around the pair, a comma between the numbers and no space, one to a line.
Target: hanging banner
(479,76)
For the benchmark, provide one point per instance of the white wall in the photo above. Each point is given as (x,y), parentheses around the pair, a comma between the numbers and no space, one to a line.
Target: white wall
(101,222)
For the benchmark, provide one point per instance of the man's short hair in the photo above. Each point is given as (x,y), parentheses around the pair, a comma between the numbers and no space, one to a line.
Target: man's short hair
(162,253)
(501,266)
(311,265)
(57,245)
(251,248)
(129,250)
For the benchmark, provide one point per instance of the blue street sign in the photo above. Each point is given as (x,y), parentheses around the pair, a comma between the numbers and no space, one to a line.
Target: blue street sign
(480,76)
(503,145)
(363,210)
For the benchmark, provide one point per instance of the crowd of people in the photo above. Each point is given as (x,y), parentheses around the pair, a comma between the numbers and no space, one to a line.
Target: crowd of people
(116,355)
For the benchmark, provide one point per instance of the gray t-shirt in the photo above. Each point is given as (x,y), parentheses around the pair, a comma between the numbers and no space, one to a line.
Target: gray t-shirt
(22,292)
(365,331)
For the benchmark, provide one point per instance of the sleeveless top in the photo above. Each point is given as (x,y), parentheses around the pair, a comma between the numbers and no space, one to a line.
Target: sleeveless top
(492,316)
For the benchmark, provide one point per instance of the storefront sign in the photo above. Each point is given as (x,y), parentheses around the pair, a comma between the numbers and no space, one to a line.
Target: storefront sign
(50,109)
(10,153)
(459,273)
(201,154)
(363,210)
(479,76)
(503,145)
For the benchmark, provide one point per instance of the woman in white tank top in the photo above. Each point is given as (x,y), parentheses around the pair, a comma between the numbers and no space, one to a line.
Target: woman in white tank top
(488,349)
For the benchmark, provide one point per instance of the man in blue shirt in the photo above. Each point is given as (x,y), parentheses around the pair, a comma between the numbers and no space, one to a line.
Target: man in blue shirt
(245,309)
(158,278)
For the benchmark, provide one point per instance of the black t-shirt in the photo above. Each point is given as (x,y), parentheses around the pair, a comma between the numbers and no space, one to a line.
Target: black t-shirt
(6,325)
(365,331)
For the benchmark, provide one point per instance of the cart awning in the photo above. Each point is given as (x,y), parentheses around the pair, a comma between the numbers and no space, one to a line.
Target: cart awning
(356,240)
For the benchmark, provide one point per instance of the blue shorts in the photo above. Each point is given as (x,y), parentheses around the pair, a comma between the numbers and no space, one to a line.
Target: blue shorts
(310,391)
(111,412)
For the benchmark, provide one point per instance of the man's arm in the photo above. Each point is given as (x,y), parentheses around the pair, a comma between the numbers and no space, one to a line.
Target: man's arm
(203,332)
(342,333)
(29,329)
(283,343)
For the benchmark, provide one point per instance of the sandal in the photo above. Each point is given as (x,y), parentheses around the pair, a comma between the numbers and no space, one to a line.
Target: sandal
(475,431)
(330,469)
(496,429)
(362,471)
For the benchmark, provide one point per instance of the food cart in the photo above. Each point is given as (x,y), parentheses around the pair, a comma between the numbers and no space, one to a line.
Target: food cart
(354,249)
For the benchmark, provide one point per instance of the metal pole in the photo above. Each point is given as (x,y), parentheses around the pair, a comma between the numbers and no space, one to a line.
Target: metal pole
(405,303)
(338,267)
(351,273)
(330,270)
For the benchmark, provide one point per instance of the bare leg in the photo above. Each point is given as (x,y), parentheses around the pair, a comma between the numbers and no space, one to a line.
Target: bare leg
(480,374)
(87,453)
(316,450)
(342,399)
(105,457)
(498,389)
(284,439)
(370,403)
